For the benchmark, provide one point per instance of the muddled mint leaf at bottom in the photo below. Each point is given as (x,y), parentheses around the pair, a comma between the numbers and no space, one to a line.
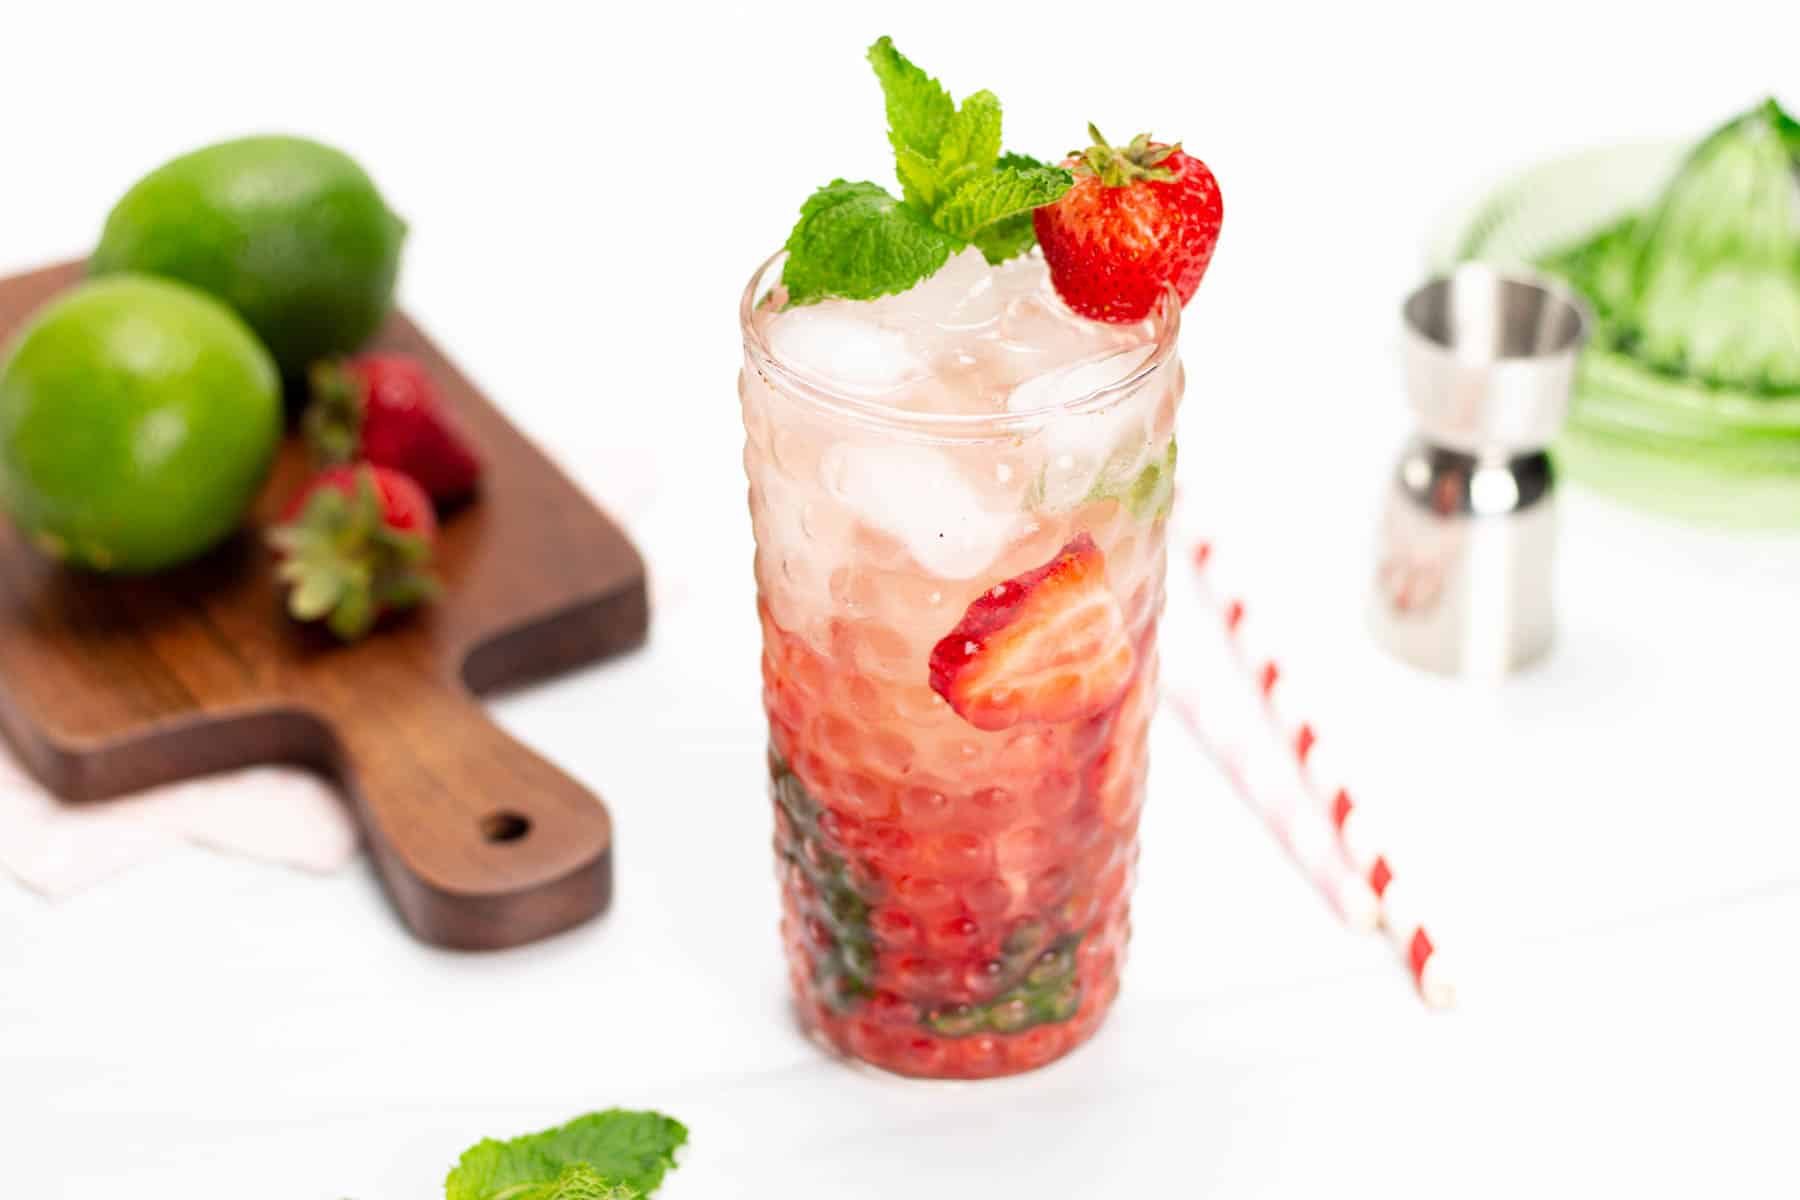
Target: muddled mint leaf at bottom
(1045,991)
(855,241)
(619,1148)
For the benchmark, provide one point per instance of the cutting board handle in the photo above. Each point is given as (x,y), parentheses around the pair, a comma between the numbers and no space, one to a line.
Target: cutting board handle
(480,841)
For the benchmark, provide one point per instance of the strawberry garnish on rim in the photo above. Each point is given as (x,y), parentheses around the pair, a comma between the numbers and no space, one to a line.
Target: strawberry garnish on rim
(1048,645)
(1139,219)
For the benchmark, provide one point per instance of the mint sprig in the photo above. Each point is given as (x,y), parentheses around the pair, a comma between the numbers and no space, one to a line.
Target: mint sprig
(856,241)
(613,1155)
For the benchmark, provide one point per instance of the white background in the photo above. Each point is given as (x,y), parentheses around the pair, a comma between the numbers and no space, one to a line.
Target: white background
(1608,843)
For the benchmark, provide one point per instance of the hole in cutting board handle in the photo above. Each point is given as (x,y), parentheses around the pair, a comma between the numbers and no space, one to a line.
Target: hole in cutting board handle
(505,826)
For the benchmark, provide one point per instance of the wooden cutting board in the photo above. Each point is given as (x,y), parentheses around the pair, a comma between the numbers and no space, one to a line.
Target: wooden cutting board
(109,685)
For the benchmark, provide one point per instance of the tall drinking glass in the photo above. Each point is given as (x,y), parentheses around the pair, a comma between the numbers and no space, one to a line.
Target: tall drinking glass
(959,498)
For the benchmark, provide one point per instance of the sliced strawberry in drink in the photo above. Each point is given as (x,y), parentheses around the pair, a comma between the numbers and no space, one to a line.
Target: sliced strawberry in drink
(1048,645)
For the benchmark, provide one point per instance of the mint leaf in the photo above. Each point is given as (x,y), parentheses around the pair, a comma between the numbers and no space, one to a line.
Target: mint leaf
(1001,193)
(1011,236)
(856,241)
(582,1182)
(1006,238)
(972,139)
(1047,990)
(919,110)
(577,1182)
(1013,158)
(1148,493)
(919,181)
(966,145)
(1152,494)
(618,1147)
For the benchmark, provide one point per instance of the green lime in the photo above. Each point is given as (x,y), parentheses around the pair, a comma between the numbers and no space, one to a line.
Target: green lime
(290,233)
(138,418)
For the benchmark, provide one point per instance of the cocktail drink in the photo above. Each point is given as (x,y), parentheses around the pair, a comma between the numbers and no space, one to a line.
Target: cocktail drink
(959,490)
(962,485)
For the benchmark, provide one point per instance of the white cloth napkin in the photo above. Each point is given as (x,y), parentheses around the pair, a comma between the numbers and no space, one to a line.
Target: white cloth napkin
(277,814)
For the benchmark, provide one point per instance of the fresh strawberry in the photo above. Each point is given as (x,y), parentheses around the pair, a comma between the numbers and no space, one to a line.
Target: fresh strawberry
(385,409)
(1048,645)
(354,544)
(1137,220)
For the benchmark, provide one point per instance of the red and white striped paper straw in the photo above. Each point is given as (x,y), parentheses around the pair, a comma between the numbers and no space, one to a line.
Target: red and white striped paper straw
(1360,844)
(1299,831)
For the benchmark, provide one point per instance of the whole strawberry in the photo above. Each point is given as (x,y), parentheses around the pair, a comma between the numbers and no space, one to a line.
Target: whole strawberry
(354,544)
(385,409)
(1137,220)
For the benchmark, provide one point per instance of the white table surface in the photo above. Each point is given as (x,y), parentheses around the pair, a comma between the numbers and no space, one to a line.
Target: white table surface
(1607,843)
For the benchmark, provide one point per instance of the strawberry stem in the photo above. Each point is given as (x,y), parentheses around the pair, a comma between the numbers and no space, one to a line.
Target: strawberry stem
(1114,166)
(345,565)
(333,421)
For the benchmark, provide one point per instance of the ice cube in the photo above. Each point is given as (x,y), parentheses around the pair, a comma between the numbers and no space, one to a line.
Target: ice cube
(966,295)
(844,349)
(1065,385)
(944,315)
(918,496)
(1079,448)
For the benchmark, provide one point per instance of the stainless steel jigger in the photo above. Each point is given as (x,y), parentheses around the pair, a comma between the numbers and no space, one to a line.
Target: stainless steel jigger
(1463,585)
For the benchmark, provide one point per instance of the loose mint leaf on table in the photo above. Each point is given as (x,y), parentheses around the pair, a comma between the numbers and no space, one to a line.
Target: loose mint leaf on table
(618,1148)
(856,241)
(578,1182)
